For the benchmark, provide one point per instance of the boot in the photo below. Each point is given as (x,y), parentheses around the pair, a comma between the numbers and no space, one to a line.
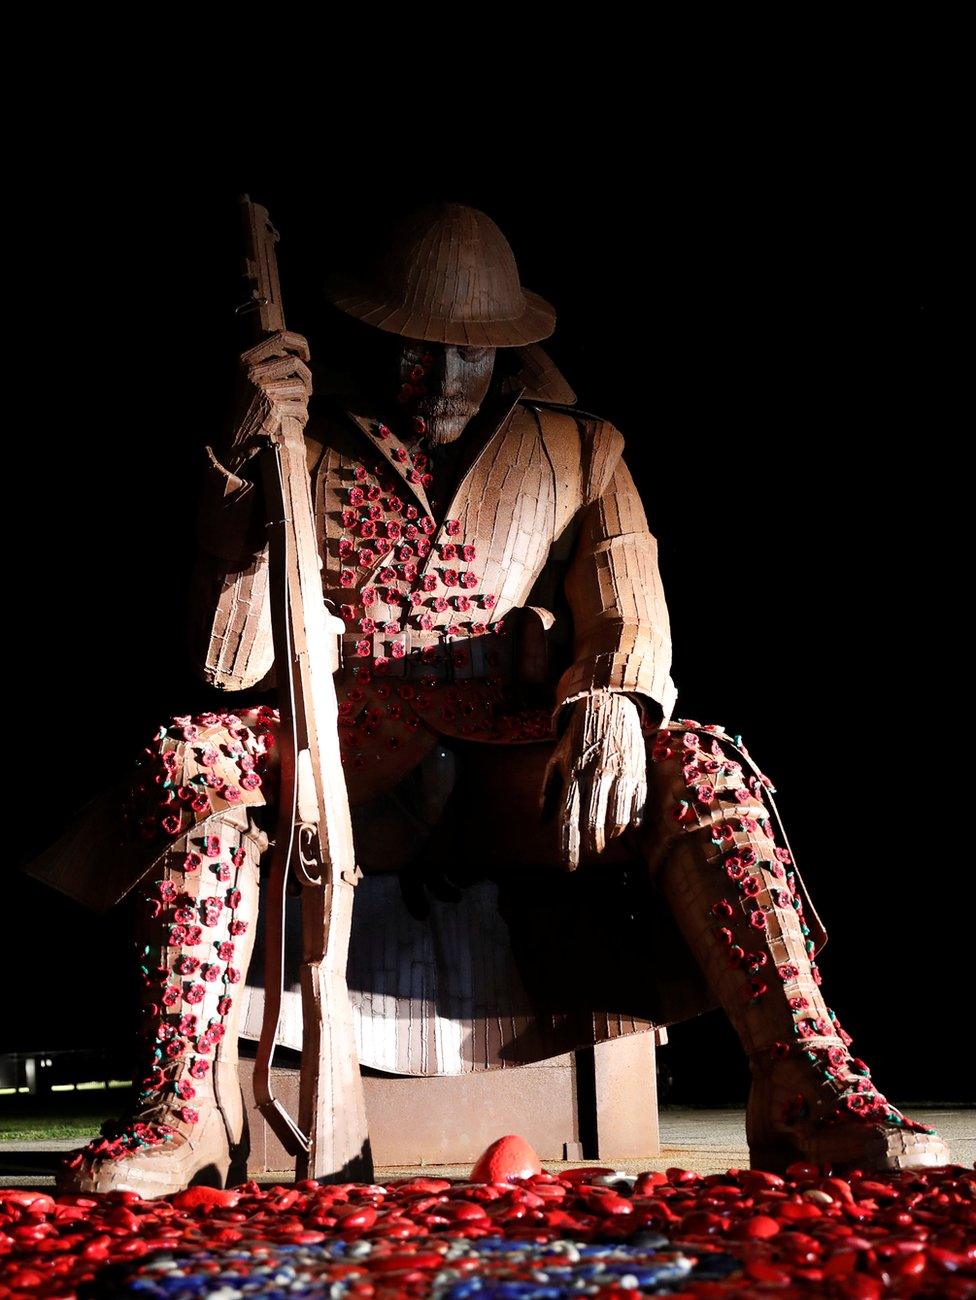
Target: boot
(196,935)
(729,880)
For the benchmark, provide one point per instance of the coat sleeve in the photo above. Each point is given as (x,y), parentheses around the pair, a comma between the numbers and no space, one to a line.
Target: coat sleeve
(622,634)
(229,622)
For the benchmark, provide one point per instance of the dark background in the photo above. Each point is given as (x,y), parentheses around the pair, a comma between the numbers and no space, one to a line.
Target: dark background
(771,318)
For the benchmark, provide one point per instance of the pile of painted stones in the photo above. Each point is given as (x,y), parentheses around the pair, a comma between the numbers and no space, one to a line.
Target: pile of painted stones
(587,1231)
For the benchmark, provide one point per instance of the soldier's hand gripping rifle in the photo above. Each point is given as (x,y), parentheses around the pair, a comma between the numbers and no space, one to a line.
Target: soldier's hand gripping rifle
(313,842)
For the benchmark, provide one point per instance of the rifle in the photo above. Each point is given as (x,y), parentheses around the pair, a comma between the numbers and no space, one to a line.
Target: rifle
(313,842)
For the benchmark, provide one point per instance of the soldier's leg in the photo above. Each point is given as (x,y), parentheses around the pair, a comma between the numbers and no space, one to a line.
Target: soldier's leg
(197,913)
(719,857)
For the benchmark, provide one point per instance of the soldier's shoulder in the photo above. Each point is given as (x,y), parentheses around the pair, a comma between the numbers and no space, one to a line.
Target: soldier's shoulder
(596,439)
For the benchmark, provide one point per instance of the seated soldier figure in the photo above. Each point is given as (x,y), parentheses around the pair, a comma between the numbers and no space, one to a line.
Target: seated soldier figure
(485,547)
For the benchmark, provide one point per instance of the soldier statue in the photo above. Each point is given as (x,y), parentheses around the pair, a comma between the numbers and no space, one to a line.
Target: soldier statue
(505,712)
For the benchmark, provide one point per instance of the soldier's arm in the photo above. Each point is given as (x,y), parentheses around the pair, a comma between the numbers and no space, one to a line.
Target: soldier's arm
(230,614)
(622,635)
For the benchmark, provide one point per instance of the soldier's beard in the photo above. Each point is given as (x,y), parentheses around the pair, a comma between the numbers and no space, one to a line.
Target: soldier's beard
(446,418)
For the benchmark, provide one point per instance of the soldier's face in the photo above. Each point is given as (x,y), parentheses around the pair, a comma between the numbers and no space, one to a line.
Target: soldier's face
(445,384)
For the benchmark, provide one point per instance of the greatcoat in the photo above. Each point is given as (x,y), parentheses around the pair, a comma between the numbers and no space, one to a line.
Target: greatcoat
(471,622)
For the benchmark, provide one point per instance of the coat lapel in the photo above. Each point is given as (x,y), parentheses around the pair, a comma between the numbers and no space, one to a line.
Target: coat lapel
(397,456)
(383,439)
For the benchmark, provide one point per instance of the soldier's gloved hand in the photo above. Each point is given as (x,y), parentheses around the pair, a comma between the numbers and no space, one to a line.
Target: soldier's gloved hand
(278,383)
(600,762)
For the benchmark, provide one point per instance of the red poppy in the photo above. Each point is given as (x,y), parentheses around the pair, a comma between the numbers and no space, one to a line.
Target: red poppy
(469,579)
(186,1090)
(751,886)
(723,908)
(449,551)
(757,919)
(199,1069)
(195,993)
(408,571)
(193,935)
(171,996)
(187,965)
(224,1006)
(233,899)
(737,954)
(452,527)
(232,976)
(799,1004)
(479,629)
(449,577)
(397,650)
(427,524)
(724,936)
(734,869)
(356,496)
(487,601)
(468,552)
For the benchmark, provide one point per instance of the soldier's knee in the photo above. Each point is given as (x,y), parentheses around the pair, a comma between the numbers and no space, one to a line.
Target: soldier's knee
(199,765)
(700,775)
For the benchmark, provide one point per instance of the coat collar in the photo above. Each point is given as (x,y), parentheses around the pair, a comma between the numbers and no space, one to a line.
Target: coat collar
(382,438)
(537,377)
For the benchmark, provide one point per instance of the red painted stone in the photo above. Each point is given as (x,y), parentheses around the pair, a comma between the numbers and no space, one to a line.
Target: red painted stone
(757,1225)
(194,1198)
(506,1158)
(588,1173)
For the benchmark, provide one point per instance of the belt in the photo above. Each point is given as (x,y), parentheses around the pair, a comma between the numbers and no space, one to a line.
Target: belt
(428,656)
